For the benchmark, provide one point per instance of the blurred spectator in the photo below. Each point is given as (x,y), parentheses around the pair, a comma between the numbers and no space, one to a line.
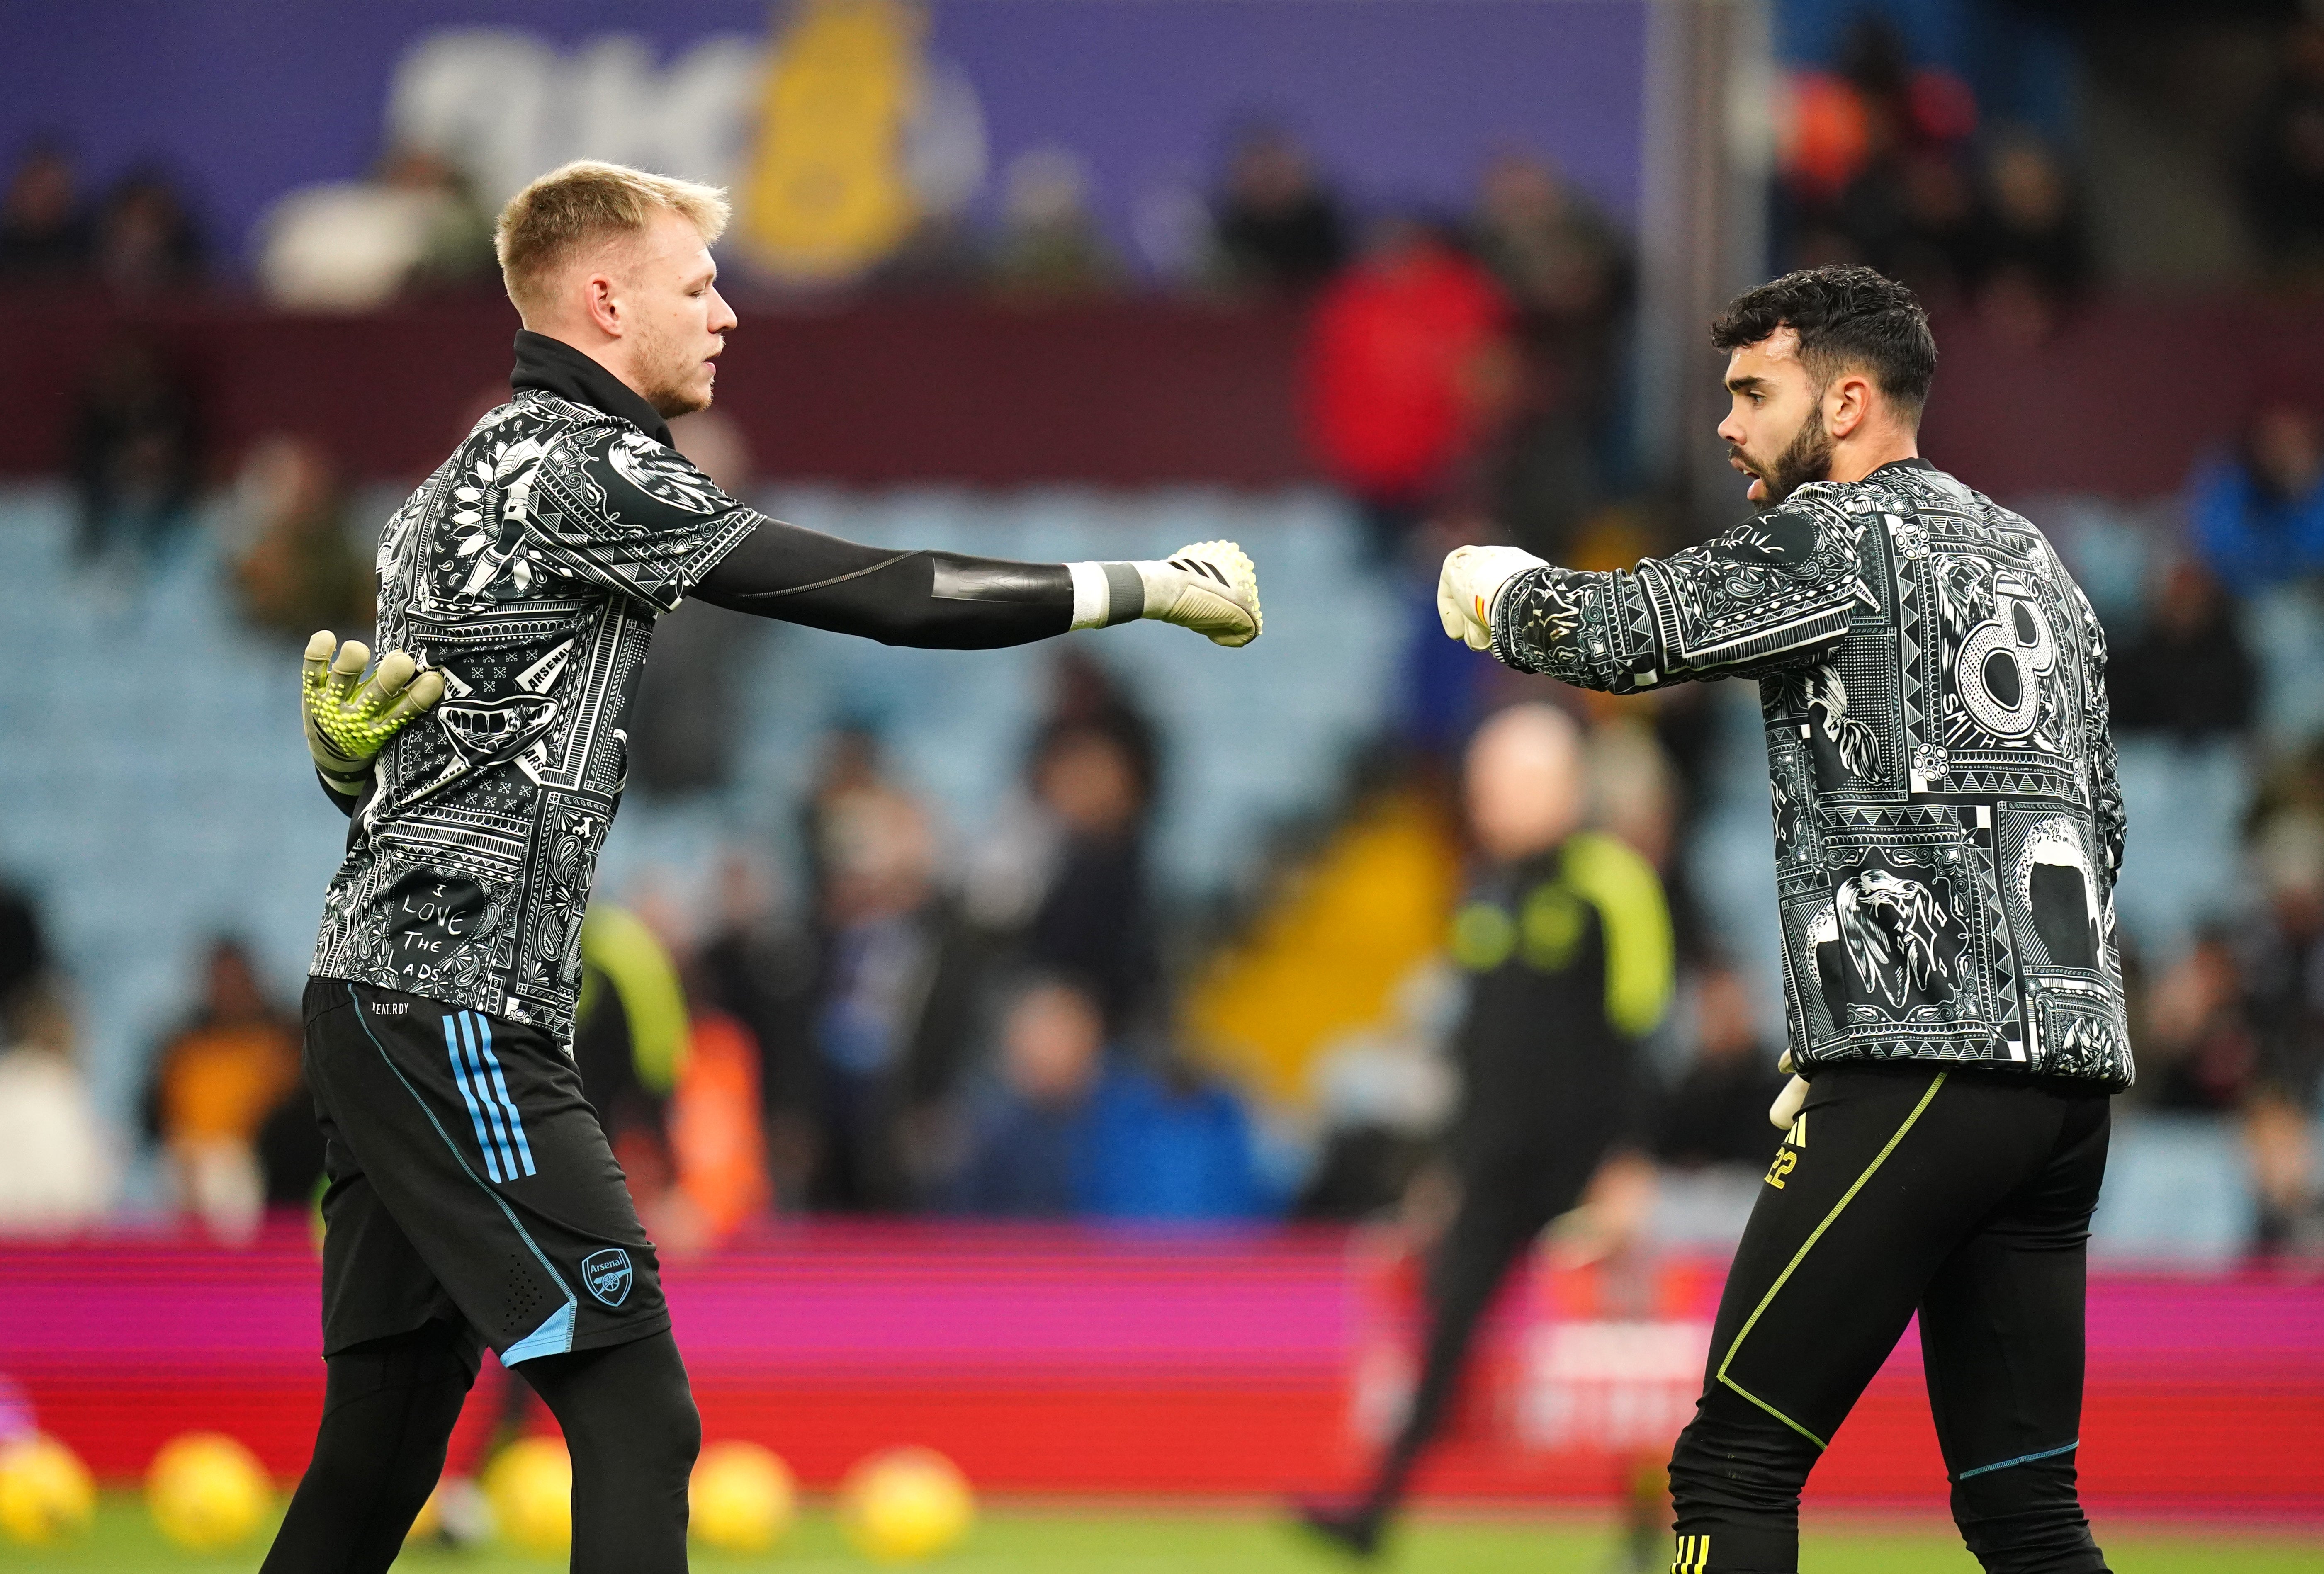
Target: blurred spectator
(2030,240)
(136,456)
(353,246)
(1557,256)
(897,988)
(1061,879)
(2283,172)
(299,568)
(2281,958)
(1871,163)
(1567,272)
(1172,1145)
(1049,245)
(2256,516)
(43,233)
(1277,225)
(629,1029)
(145,241)
(1030,1147)
(1064,1133)
(1717,1112)
(2188,672)
(2195,1046)
(213,1082)
(682,726)
(717,1146)
(1408,364)
(1095,922)
(759,970)
(849,766)
(58,1164)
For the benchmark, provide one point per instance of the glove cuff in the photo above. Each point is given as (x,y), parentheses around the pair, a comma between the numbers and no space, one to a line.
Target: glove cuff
(1106,593)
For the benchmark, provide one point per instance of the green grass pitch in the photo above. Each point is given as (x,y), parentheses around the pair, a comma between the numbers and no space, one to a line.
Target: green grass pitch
(1014,1540)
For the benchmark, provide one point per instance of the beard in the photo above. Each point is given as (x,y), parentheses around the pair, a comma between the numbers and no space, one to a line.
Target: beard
(668,370)
(1806,457)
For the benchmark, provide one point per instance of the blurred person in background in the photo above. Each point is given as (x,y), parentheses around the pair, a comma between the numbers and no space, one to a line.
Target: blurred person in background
(1279,228)
(213,1082)
(630,1041)
(473,1197)
(59,1166)
(1566,271)
(1173,1144)
(1716,1113)
(1947,1156)
(895,1007)
(136,454)
(1049,245)
(43,228)
(2187,673)
(758,967)
(2197,1045)
(1095,921)
(1027,1151)
(299,566)
(2283,169)
(2255,516)
(1012,868)
(2031,245)
(144,243)
(353,246)
(1071,1130)
(714,1121)
(1567,948)
(1408,366)
(2281,961)
(1874,163)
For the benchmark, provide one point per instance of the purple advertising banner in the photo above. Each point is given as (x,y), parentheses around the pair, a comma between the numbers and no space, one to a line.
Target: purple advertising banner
(1402,101)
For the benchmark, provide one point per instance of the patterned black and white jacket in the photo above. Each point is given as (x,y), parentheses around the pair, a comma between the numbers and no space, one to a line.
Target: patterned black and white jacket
(1948,823)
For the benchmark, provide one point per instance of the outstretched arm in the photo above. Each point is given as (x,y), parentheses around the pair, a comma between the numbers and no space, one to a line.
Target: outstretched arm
(949,601)
(1772,592)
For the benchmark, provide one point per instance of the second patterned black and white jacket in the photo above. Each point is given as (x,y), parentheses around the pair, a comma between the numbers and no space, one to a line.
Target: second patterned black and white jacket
(1947,821)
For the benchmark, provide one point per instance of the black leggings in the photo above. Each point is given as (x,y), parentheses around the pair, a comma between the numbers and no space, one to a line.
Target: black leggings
(1503,1209)
(1965,1195)
(388,1409)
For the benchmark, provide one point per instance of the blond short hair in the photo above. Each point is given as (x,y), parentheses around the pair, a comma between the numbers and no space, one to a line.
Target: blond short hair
(578,205)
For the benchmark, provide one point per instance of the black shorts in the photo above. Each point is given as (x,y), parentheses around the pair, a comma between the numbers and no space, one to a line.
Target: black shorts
(469,1182)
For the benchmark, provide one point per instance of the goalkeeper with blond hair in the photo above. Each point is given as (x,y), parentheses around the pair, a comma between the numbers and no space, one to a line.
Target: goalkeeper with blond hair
(473,1201)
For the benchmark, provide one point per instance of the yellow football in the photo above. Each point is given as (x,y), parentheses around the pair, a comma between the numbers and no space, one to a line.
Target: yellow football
(903,1504)
(207,1491)
(46,1495)
(742,1498)
(529,1483)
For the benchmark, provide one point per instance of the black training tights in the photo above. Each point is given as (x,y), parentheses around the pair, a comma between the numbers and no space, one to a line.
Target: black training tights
(1965,1195)
(388,1409)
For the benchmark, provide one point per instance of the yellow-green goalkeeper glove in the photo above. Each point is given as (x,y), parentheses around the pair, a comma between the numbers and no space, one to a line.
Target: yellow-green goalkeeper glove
(350,719)
(1210,587)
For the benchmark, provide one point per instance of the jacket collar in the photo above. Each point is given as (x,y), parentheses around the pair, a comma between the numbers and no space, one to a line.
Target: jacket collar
(555,367)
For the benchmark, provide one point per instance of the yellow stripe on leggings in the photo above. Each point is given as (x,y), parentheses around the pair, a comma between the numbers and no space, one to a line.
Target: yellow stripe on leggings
(1797,1258)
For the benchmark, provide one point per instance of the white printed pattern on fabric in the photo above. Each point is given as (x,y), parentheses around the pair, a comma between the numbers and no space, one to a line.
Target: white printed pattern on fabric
(528,570)
(1948,823)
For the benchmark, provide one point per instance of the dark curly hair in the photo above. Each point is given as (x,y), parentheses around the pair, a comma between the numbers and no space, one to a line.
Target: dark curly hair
(1846,317)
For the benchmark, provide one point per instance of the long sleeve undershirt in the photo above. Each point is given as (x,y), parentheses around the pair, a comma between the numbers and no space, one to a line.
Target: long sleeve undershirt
(932,600)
